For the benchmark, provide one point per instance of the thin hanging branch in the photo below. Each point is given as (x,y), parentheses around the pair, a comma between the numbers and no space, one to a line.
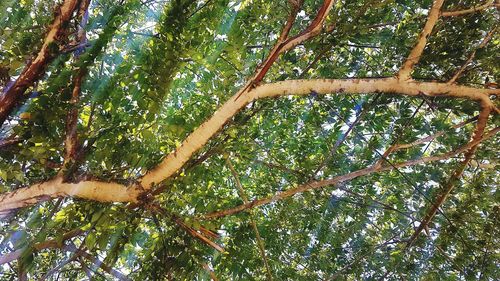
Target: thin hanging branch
(58,267)
(244,197)
(191,231)
(106,268)
(85,268)
(213,277)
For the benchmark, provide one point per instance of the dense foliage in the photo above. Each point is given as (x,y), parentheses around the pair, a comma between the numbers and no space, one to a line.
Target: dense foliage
(154,71)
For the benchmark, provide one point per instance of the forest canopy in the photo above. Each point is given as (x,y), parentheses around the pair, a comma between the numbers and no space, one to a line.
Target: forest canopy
(249,140)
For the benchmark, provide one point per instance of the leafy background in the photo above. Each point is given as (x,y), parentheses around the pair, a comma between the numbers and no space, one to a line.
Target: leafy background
(158,69)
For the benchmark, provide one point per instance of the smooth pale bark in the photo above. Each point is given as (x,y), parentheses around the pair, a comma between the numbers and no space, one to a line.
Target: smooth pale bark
(91,190)
(114,192)
(175,160)
(418,49)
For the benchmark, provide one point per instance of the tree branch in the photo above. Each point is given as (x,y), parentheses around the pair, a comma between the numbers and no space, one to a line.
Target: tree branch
(13,93)
(490,3)
(71,141)
(115,192)
(485,41)
(205,131)
(362,172)
(56,188)
(191,231)
(115,273)
(213,277)
(449,186)
(284,43)
(58,267)
(52,243)
(243,196)
(397,147)
(416,52)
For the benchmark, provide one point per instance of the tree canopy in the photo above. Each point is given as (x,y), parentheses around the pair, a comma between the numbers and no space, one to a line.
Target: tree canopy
(249,140)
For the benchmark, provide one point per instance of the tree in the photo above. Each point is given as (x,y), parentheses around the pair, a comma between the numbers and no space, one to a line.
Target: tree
(217,139)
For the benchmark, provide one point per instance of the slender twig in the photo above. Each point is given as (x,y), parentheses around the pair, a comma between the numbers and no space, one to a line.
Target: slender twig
(115,273)
(58,267)
(449,186)
(485,41)
(490,3)
(349,176)
(243,196)
(191,231)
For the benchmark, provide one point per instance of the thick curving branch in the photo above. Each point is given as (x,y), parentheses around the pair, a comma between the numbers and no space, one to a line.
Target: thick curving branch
(418,49)
(195,141)
(490,3)
(115,192)
(13,93)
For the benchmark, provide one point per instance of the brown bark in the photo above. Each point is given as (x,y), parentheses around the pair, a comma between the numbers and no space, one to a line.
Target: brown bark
(134,193)
(71,141)
(108,269)
(285,43)
(490,3)
(52,243)
(58,31)
(191,231)
(329,182)
(450,185)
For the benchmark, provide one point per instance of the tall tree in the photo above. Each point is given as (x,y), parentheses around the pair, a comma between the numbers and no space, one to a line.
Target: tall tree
(249,139)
